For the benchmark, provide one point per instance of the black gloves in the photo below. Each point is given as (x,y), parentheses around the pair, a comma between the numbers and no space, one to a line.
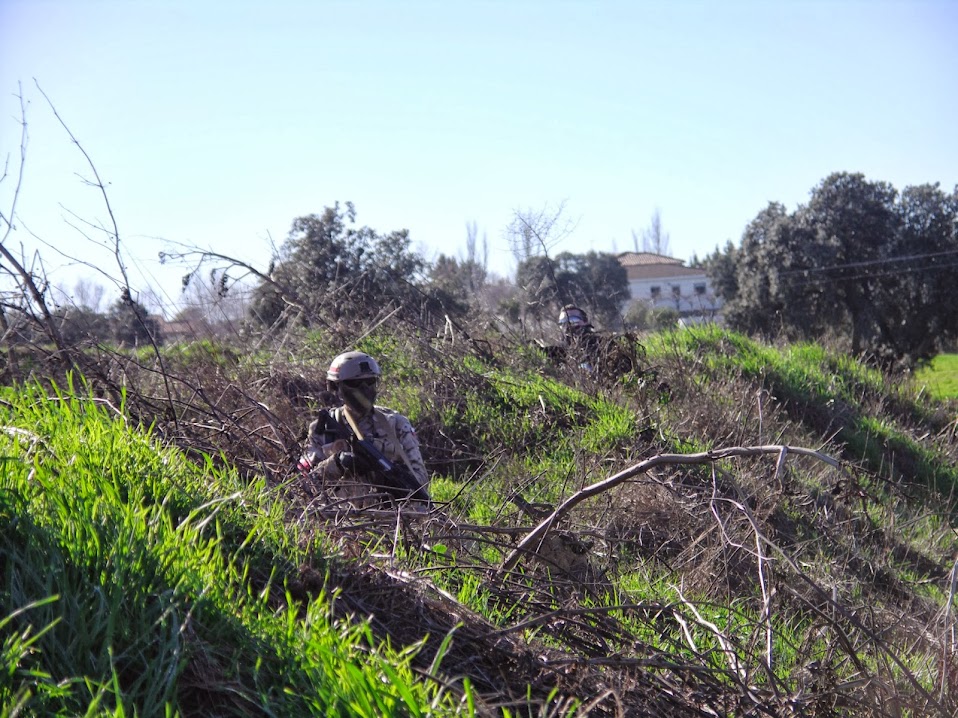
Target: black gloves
(346,461)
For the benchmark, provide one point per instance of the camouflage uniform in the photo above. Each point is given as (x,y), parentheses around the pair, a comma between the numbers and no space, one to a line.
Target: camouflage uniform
(389,431)
(606,356)
(331,456)
(583,347)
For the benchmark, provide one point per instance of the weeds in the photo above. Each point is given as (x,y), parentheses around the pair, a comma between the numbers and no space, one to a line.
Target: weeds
(763,580)
(137,582)
(940,378)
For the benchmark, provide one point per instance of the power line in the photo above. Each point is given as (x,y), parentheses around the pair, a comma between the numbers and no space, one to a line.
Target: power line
(869,263)
(874,275)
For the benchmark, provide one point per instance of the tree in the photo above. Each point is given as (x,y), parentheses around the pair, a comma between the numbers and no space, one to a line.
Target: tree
(453,284)
(533,233)
(212,303)
(481,265)
(925,252)
(130,323)
(637,317)
(756,299)
(88,295)
(81,324)
(457,284)
(851,221)
(535,278)
(329,268)
(80,317)
(654,238)
(858,260)
(720,267)
(595,281)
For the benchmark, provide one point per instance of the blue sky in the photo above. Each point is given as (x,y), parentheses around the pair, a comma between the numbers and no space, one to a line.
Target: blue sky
(215,124)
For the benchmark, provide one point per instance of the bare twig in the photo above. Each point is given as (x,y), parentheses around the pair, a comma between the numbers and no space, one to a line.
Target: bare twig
(538,533)
(25,277)
(127,292)
(948,641)
(759,555)
(734,664)
(98,184)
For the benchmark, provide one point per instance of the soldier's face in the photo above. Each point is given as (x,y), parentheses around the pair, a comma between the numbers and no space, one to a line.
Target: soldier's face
(359,394)
(573,331)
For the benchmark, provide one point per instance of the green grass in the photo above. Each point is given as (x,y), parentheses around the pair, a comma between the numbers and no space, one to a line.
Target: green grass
(827,392)
(131,576)
(940,378)
(136,583)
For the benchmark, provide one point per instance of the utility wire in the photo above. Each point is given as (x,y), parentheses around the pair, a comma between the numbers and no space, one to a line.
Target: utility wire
(872,262)
(870,275)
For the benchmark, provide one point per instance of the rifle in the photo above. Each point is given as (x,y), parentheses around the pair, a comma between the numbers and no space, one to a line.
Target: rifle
(397,479)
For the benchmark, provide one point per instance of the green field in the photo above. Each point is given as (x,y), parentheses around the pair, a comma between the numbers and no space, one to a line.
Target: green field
(159,578)
(940,378)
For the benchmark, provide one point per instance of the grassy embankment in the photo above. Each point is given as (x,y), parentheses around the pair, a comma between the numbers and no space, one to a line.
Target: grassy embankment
(941,377)
(137,583)
(140,582)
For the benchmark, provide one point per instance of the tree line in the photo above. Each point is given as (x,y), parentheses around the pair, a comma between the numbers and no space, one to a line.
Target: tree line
(330,269)
(329,266)
(861,262)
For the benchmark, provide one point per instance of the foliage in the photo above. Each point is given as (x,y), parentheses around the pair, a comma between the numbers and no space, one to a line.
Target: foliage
(81,324)
(131,323)
(595,281)
(148,586)
(858,259)
(685,588)
(737,528)
(328,267)
(456,284)
(639,316)
(940,376)
(665,317)
(806,379)
(721,266)
(127,323)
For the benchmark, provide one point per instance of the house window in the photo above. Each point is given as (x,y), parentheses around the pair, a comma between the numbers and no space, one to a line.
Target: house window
(655,292)
(700,289)
(676,291)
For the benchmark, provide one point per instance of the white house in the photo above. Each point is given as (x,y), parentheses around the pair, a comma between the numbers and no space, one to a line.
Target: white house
(662,281)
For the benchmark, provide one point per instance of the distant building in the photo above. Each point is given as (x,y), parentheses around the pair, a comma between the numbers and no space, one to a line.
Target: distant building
(180,330)
(662,281)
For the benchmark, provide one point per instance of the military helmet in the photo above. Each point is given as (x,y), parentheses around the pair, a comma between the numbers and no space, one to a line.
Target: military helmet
(572,316)
(353,365)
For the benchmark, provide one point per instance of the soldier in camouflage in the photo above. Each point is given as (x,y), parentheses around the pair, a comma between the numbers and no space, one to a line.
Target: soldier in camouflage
(605,356)
(354,378)
(578,334)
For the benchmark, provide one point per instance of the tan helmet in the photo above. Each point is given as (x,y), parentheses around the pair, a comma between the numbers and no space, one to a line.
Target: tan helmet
(572,316)
(353,365)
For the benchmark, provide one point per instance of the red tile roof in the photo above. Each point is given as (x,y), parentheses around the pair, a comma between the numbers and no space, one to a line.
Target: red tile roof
(641,259)
(662,271)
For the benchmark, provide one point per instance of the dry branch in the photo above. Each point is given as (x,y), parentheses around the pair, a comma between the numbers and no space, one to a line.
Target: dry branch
(535,537)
